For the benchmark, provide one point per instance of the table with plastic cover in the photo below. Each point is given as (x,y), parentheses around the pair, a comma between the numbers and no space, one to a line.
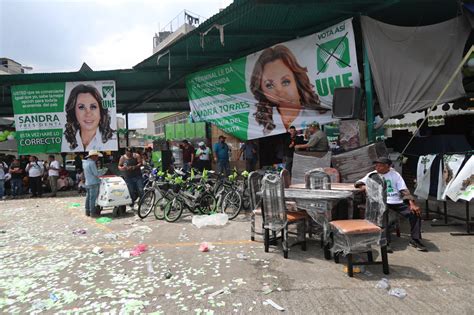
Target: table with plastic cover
(318,204)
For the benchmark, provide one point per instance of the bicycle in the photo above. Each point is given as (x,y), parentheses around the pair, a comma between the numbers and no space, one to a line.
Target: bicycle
(197,198)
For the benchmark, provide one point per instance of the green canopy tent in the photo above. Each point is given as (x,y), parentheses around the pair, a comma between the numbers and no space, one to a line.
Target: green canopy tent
(157,83)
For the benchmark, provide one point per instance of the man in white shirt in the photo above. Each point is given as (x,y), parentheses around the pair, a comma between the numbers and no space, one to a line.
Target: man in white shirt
(397,193)
(53,174)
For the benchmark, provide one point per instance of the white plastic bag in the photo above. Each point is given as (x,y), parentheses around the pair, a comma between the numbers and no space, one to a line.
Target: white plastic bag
(217,219)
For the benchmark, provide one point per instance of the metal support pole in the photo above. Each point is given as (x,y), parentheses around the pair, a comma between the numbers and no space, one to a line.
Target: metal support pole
(126,127)
(468,224)
(369,98)
(445,217)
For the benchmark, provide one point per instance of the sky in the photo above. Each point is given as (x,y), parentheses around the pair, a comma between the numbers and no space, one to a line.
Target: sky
(59,35)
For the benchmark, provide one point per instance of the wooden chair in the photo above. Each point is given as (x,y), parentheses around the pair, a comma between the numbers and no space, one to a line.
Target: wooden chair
(357,236)
(255,184)
(317,179)
(276,218)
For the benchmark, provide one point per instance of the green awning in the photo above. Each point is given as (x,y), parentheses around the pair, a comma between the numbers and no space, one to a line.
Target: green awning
(157,83)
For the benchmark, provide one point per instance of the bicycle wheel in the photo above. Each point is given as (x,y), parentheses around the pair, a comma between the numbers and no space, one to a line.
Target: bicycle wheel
(207,204)
(146,203)
(173,210)
(160,206)
(232,204)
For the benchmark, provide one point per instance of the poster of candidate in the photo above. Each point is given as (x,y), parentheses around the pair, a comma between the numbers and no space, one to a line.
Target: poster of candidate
(65,117)
(288,84)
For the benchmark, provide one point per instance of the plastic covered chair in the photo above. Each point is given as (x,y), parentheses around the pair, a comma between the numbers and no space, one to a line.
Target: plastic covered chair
(255,184)
(333,173)
(317,179)
(275,216)
(286,177)
(357,236)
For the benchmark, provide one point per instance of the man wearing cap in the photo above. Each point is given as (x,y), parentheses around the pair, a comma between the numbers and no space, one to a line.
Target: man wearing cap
(92,182)
(188,155)
(397,193)
(221,150)
(203,154)
(130,163)
(318,141)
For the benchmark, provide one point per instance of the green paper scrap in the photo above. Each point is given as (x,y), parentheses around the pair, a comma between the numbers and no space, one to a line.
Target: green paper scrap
(103,220)
(74,205)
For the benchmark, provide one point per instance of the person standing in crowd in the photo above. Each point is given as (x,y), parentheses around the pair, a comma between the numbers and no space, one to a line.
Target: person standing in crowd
(35,172)
(3,171)
(203,154)
(318,141)
(78,163)
(249,149)
(188,155)
(53,174)
(291,140)
(92,182)
(221,150)
(130,164)
(397,195)
(17,178)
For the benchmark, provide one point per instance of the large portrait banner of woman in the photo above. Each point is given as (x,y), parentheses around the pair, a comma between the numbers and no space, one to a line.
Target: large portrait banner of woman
(65,117)
(289,84)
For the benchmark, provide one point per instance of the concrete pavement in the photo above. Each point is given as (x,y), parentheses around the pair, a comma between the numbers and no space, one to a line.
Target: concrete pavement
(45,268)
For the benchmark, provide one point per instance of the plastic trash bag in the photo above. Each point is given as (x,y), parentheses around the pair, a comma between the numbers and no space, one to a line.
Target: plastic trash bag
(217,219)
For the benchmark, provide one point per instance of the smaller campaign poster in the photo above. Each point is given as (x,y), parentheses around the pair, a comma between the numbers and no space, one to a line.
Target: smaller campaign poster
(65,117)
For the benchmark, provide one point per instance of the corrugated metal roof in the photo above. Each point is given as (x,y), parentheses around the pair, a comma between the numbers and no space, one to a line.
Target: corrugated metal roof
(250,25)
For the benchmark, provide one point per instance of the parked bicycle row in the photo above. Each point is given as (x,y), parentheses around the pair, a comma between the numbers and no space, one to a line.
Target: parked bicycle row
(168,195)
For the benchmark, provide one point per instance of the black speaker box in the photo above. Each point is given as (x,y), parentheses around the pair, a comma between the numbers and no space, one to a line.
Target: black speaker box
(166,160)
(347,103)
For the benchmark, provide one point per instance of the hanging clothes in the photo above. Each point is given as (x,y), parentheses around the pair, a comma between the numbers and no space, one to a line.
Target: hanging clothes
(423,175)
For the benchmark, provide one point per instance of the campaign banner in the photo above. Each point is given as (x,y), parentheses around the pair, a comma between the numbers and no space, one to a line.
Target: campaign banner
(423,172)
(448,169)
(65,117)
(288,84)
(462,187)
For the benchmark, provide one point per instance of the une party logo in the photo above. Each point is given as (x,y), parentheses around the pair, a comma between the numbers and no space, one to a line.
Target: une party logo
(108,91)
(336,50)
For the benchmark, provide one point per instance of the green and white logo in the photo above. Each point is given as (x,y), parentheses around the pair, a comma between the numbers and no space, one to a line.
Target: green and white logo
(108,91)
(336,50)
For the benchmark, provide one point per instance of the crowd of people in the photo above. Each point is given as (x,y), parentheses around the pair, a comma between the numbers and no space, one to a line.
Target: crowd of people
(27,174)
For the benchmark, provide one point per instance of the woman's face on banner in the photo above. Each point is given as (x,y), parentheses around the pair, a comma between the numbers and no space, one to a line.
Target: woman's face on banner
(87,111)
(279,84)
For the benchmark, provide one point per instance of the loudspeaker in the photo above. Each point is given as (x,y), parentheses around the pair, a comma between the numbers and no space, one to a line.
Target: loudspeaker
(166,160)
(347,103)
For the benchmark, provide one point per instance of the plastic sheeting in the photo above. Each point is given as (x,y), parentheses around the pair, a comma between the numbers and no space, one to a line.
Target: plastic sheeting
(375,209)
(273,202)
(411,65)
(304,163)
(355,164)
(319,204)
(317,179)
